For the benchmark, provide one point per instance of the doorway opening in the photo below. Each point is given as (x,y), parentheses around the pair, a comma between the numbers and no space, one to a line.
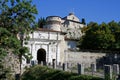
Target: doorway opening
(41,56)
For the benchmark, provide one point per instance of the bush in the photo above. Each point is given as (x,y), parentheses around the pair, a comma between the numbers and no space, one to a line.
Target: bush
(61,76)
(84,77)
(45,73)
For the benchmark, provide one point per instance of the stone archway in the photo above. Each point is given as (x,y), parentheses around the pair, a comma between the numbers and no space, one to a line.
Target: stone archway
(41,56)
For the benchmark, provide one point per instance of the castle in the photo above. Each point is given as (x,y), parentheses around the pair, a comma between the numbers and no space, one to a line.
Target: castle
(57,37)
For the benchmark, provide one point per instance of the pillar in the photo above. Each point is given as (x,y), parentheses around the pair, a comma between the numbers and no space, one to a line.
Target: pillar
(93,67)
(54,64)
(64,67)
(80,68)
(108,72)
(115,70)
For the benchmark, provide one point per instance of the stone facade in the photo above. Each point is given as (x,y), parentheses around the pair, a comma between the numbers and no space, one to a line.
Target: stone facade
(86,58)
(57,36)
(72,25)
(57,41)
(48,40)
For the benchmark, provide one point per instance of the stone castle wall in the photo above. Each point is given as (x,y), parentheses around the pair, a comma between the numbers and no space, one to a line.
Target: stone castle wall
(85,58)
(11,62)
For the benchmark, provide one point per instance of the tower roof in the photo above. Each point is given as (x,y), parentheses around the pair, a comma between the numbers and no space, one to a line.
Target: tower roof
(71,17)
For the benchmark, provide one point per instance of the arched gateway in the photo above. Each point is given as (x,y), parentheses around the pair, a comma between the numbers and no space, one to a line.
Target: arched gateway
(41,56)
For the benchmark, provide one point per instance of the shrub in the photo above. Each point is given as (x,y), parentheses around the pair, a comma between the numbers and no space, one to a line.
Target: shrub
(84,77)
(45,73)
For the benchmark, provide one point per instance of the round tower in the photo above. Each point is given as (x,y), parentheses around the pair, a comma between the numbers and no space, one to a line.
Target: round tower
(54,23)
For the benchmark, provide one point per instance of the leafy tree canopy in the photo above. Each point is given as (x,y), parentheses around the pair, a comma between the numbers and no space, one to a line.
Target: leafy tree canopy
(101,36)
(115,29)
(16,17)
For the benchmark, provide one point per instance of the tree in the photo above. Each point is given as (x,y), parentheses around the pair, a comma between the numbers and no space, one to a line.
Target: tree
(106,38)
(16,17)
(115,29)
(86,42)
(41,22)
(8,43)
(97,37)
(83,21)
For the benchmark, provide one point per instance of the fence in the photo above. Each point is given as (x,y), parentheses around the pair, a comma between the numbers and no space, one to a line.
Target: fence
(108,72)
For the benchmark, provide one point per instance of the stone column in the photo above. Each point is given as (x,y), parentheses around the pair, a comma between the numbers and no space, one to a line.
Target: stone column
(41,63)
(80,68)
(108,72)
(32,63)
(54,64)
(36,62)
(115,70)
(64,67)
(93,67)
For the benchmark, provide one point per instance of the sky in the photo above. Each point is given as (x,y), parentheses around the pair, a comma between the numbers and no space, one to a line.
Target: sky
(91,10)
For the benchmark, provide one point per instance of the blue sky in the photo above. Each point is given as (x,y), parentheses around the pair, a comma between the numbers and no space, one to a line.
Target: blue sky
(92,10)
